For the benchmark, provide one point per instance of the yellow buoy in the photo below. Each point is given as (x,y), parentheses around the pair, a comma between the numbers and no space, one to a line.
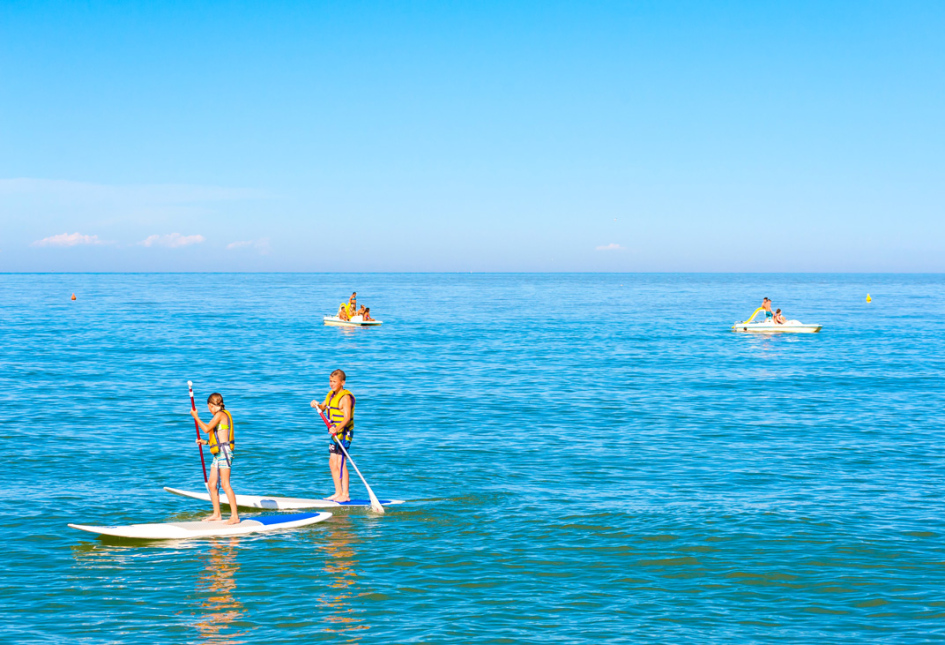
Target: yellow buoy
(868,299)
(73,296)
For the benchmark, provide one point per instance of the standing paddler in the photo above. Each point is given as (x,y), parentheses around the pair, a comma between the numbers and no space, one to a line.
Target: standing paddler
(221,438)
(339,405)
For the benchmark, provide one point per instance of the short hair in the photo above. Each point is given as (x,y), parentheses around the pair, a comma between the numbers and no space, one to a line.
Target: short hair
(216,399)
(340,373)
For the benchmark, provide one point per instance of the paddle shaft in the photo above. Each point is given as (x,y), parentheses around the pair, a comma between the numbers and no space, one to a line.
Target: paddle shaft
(193,406)
(375,504)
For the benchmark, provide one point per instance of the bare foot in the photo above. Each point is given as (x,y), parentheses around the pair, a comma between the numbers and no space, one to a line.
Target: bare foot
(212,518)
(346,498)
(333,498)
(233,520)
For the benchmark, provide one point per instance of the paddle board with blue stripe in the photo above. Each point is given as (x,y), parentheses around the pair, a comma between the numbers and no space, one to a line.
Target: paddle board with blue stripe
(281,503)
(190,530)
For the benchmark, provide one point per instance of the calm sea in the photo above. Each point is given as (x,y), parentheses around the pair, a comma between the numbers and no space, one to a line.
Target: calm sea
(586,458)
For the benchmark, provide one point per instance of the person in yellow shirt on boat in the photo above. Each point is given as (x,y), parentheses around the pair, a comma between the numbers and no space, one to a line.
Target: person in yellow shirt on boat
(339,407)
(222,440)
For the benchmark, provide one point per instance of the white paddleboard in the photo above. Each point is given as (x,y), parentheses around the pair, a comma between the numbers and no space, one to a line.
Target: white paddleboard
(280,503)
(189,530)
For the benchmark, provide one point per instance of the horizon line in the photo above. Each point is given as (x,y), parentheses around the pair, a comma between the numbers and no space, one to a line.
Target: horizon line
(472,272)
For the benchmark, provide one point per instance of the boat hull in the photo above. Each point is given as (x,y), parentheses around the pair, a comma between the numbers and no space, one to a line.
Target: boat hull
(338,322)
(790,327)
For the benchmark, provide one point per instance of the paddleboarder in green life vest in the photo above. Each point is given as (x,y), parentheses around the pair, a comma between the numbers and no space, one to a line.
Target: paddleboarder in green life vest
(222,441)
(339,407)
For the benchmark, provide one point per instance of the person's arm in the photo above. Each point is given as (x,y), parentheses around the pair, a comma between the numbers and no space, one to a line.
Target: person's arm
(346,410)
(207,427)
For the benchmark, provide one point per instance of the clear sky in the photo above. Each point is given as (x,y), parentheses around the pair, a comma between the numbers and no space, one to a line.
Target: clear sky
(476,136)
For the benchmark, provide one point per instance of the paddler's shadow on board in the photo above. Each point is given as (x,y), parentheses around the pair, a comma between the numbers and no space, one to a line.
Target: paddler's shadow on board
(338,545)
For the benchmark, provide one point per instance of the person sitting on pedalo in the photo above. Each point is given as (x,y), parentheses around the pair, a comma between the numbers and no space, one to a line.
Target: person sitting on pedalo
(222,441)
(339,406)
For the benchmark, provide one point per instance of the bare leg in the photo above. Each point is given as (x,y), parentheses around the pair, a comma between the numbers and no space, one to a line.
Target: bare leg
(344,496)
(214,496)
(230,495)
(334,464)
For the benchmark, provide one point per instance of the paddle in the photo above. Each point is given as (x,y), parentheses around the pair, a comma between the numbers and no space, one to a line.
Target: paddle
(375,505)
(193,406)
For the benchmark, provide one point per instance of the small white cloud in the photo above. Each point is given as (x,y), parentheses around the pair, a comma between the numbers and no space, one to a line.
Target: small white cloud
(261,245)
(172,241)
(68,239)
(610,247)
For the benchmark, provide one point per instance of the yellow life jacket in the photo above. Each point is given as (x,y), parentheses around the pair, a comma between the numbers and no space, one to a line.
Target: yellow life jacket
(224,427)
(336,415)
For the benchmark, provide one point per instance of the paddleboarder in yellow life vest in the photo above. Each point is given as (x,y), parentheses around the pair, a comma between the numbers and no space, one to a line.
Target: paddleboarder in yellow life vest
(339,406)
(222,440)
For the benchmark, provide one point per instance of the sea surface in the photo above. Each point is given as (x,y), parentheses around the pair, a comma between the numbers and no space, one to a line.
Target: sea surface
(586,458)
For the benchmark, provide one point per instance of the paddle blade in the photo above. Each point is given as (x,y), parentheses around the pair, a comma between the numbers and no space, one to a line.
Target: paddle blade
(375,504)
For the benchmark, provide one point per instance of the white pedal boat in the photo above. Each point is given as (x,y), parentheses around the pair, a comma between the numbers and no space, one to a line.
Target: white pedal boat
(356,321)
(791,326)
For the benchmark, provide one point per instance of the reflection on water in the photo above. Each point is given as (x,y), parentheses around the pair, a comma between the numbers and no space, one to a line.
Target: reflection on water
(219,608)
(340,616)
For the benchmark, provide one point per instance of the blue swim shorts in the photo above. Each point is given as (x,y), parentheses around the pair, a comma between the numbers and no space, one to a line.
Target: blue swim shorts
(335,450)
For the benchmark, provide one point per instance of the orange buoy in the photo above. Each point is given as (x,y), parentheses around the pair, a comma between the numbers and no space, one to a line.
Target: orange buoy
(73,296)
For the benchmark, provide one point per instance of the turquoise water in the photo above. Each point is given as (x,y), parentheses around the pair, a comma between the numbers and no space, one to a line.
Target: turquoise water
(587,457)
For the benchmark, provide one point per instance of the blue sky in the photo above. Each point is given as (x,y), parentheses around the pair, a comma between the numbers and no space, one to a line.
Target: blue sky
(479,136)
